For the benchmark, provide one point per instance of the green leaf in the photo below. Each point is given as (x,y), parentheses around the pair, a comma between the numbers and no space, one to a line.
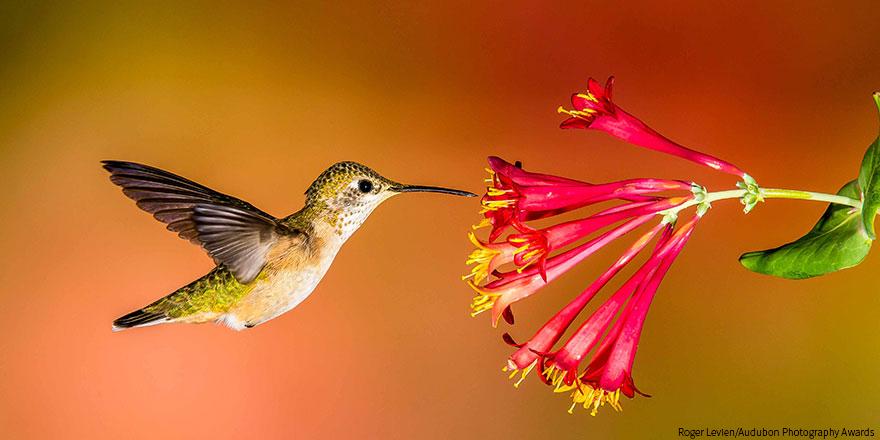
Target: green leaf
(869,180)
(838,241)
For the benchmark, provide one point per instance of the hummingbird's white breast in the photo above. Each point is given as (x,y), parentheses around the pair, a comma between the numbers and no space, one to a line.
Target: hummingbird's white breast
(286,281)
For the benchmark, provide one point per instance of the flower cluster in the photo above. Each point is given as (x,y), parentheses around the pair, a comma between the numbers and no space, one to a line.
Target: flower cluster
(518,258)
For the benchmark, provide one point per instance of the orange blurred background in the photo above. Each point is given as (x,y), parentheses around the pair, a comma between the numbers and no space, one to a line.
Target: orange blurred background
(256,100)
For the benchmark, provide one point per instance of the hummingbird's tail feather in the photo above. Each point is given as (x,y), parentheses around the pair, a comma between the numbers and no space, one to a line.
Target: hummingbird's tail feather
(203,300)
(139,318)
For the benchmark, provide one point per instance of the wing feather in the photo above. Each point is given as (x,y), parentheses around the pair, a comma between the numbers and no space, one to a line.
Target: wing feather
(233,232)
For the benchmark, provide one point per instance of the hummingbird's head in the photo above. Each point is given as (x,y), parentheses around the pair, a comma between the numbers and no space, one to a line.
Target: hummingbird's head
(348,192)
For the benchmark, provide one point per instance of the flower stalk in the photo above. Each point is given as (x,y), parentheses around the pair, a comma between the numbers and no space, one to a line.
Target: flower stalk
(770,193)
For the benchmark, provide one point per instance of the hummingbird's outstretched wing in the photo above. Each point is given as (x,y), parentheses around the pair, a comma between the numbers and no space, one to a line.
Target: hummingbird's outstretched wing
(235,233)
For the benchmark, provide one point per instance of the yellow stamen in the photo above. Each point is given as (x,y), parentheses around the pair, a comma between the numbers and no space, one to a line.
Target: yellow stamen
(511,367)
(556,377)
(491,178)
(481,257)
(525,373)
(588,96)
(529,255)
(492,191)
(482,224)
(586,114)
(529,259)
(593,398)
(493,205)
(562,388)
(583,394)
(482,301)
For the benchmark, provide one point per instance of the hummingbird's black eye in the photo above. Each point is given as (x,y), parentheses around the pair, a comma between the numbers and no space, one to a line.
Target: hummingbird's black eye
(365,186)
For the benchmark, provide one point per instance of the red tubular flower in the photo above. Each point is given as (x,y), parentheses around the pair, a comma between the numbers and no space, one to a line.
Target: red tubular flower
(594,109)
(517,196)
(562,365)
(609,373)
(527,355)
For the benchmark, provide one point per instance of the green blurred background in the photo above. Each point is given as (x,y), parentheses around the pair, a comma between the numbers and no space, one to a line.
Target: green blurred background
(256,99)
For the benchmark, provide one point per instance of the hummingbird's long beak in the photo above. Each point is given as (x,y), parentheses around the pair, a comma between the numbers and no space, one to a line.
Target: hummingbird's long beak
(436,189)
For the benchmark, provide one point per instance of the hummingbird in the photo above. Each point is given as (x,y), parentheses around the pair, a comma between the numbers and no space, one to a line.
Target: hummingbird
(265,266)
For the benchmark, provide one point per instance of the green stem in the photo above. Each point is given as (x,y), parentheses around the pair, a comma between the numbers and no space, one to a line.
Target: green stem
(769,193)
(774,193)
